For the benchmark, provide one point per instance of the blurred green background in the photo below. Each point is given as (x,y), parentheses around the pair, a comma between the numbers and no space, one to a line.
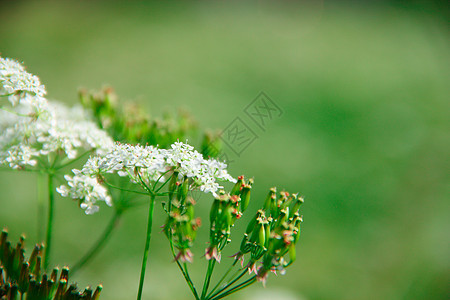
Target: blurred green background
(364,88)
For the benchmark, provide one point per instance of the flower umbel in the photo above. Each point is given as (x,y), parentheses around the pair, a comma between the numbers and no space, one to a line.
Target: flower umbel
(147,165)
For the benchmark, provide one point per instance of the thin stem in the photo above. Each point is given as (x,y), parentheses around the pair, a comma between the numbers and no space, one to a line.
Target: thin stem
(14,113)
(20,170)
(41,184)
(222,279)
(230,284)
(184,271)
(161,176)
(147,244)
(168,179)
(125,190)
(211,265)
(48,239)
(101,242)
(144,184)
(239,287)
(189,280)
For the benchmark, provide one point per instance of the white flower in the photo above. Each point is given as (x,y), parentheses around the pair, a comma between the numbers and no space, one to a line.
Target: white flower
(148,164)
(64,130)
(17,84)
(87,189)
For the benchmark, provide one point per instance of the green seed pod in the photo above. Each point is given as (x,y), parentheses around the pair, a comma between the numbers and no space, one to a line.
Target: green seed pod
(255,234)
(292,253)
(237,187)
(214,211)
(251,225)
(297,235)
(228,212)
(244,244)
(298,203)
(97,292)
(267,232)
(269,199)
(283,217)
(245,197)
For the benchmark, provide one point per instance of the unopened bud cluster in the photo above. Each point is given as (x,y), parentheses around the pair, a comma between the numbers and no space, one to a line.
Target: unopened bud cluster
(225,210)
(25,279)
(272,234)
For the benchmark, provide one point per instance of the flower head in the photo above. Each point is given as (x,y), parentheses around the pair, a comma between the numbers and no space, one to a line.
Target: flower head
(145,165)
(86,189)
(64,131)
(19,85)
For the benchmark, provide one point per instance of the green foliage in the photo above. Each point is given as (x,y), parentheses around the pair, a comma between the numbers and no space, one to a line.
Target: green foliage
(130,123)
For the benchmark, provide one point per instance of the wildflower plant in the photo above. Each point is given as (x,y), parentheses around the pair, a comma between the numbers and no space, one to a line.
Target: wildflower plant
(134,160)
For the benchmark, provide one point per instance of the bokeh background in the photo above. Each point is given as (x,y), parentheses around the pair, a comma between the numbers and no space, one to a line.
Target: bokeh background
(364,135)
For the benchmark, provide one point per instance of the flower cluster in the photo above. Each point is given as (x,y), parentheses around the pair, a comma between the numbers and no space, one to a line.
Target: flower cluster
(37,130)
(181,227)
(272,234)
(66,131)
(225,210)
(145,165)
(19,86)
(88,189)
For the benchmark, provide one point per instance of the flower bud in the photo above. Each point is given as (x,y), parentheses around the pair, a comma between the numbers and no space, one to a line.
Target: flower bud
(237,187)
(262,236)
(297,204)
(245,195)
(267,232)
(252,223)
(214,210)
(270,199)
(292,253)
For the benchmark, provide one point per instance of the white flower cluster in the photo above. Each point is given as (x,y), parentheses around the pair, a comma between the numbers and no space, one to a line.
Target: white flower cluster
(36,128)
(65,130)
(148,164)
(19,86)
(88,189)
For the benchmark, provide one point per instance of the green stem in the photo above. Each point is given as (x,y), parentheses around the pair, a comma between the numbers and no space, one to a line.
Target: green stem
(189,280)
(184,271)
(239,287)
(41,206)
(124,190)
(147,244)
(48,239)
(229,284)
(162,185)
(14,113)
(161,176)
(101,242)
(222,279)
(211,265)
